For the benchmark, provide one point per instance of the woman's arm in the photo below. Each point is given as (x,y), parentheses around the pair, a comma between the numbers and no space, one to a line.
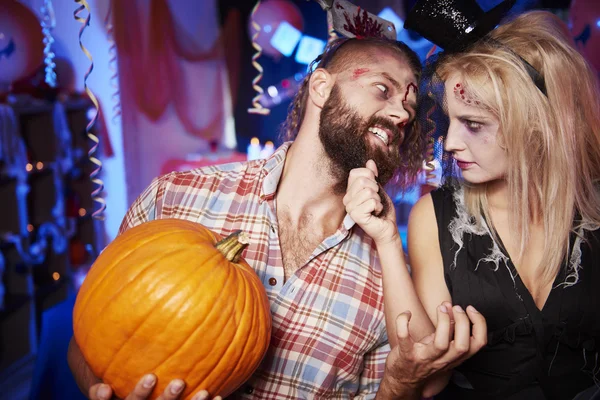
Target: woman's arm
(426,258)
(427,271)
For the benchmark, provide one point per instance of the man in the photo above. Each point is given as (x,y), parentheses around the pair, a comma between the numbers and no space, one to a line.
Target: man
(320,271)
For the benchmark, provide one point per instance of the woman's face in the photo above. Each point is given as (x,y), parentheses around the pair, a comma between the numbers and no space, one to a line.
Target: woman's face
(473,136)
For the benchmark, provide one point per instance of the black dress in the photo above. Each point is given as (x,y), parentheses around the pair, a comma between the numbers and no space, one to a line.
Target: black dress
(531,354)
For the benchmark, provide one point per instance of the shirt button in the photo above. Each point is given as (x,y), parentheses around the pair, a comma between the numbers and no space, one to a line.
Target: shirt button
(249,389)
(272,281)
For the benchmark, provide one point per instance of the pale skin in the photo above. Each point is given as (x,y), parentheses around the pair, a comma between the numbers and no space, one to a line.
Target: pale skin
(305,193)
(473,137)
(457,334)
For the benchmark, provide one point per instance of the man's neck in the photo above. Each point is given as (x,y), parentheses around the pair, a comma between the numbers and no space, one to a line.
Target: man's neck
(307,186)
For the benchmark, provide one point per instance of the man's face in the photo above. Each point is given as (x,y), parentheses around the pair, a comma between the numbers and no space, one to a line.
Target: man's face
(365,115)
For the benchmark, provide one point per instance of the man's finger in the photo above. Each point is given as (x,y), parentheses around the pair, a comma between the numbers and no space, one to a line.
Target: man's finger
(448,306)
(462,332)
(204,395)
(479,332)
(361,172)
(478,335)
(100,391)
(372,167)
(405,342)
(365,202)
(173,390)
(442,335)
(358,184)
(143,388)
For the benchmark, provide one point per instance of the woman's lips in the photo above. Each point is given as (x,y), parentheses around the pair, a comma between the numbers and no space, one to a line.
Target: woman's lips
(464,164)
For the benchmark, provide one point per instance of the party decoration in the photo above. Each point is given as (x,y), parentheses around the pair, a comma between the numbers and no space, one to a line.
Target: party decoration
(98,214)
(268,16)
(352,21)
(112,64)
(65,75)
(48,24)
(172,298)
(454,24)
(21,42)
(257,107)
(585,27)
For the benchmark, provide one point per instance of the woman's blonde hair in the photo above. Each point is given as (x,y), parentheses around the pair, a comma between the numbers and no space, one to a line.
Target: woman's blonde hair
(552,142)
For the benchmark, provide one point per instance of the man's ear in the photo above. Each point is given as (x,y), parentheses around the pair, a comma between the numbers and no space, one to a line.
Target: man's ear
(319,87)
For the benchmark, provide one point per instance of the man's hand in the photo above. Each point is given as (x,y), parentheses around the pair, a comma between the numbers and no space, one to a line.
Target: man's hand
(143,389)
(364,203)
(410,363)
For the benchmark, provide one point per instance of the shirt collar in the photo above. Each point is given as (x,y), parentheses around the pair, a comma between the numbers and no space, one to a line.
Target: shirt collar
(272,171)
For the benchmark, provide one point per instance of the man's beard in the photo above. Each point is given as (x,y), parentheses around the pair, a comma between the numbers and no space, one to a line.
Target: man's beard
(344,135)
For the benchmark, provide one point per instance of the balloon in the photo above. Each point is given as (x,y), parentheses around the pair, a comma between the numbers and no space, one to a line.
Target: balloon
(269,15)
(585,27)
(65,75)
(21,42)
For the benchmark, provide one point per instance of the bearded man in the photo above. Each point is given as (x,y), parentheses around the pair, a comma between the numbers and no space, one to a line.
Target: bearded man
(320,271)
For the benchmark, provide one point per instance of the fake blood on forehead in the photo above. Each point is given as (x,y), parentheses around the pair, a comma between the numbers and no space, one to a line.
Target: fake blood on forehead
(462,95)
(358,72)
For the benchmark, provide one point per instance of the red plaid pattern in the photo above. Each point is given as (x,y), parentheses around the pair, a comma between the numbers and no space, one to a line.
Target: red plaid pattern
(329,338)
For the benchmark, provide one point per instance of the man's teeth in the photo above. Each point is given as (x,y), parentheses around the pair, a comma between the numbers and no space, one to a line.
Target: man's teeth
(380,133)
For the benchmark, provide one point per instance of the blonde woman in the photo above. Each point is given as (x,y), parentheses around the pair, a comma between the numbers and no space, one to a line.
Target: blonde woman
(516,236)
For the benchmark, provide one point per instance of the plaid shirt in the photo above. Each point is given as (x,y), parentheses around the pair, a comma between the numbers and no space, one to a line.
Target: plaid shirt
(328,338)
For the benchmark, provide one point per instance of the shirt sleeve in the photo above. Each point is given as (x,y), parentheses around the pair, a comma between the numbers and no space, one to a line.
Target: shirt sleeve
(144,208)
(373,371)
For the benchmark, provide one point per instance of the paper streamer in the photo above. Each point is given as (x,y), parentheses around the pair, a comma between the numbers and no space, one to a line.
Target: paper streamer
(112,65)
(430,155)
(257,107)
(96,193)
(48,24)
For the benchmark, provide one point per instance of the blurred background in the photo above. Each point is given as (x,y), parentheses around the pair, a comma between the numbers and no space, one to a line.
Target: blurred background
(173,82)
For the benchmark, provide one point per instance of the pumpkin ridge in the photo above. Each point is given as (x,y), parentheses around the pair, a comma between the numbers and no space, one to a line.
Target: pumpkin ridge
(224,356)
(113,298)
(93,290)
(164,299)
(207,377)
(123,291)
(200,325)
(102,276)
(255,340)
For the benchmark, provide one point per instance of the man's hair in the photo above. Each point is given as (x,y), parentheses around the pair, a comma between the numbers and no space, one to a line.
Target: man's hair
(552,142)
(343,54)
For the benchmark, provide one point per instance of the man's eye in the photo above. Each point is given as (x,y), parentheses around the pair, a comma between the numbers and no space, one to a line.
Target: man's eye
(382,87)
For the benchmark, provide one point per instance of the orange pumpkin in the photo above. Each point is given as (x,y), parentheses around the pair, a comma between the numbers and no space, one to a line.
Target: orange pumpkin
(170,297)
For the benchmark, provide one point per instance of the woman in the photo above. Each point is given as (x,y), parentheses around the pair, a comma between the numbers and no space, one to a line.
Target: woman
(518,238)
(517,235)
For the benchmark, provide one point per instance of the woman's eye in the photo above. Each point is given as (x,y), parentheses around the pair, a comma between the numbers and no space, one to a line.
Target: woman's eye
(473,126)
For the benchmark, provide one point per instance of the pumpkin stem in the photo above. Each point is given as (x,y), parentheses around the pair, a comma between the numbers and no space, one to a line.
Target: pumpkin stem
(233,245)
